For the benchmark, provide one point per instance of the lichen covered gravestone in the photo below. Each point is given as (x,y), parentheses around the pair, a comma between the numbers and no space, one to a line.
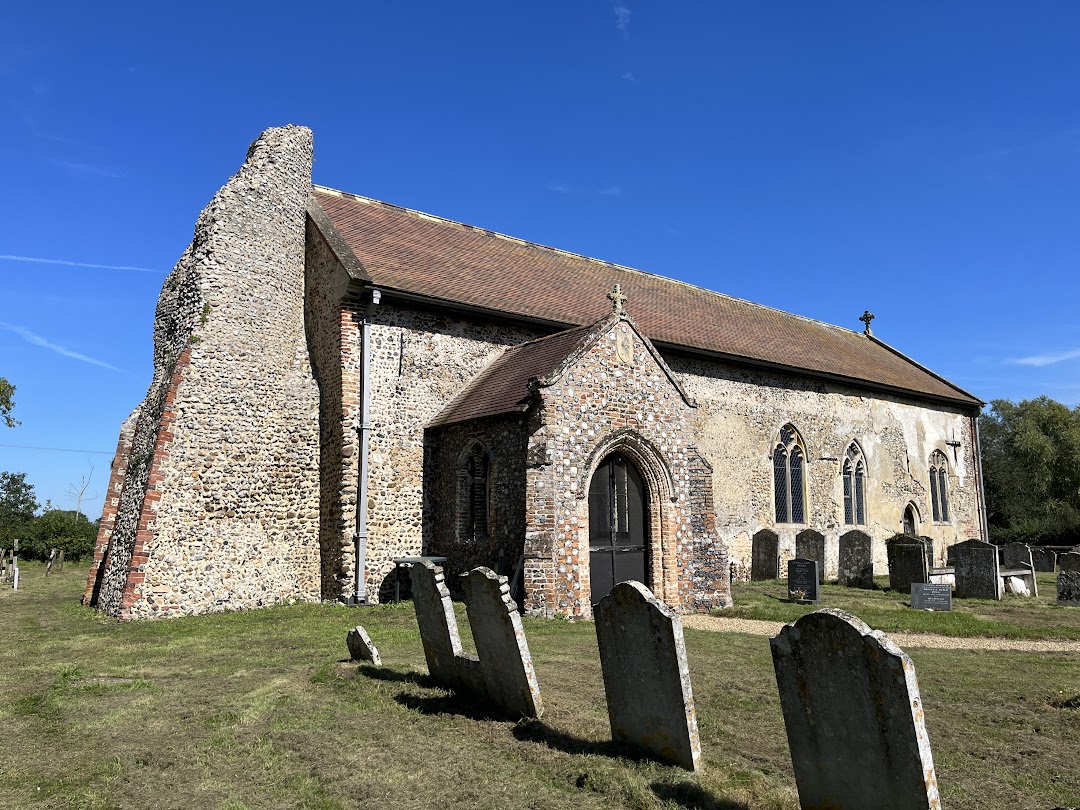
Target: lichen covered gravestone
(856,567)
(1044,559)
(810,545)
(361,647)
(978,575)
(502,670)
(907,565)
(1068,581)
(1013,554)
(765,556)
(646,677)
(854,717)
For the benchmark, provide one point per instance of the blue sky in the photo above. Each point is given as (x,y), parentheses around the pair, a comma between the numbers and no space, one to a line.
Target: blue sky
(917,159)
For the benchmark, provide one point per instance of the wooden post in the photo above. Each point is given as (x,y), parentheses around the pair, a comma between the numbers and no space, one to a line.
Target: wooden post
(15,564)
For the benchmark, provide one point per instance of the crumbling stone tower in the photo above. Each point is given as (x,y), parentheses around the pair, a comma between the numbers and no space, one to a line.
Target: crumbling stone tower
(213,502)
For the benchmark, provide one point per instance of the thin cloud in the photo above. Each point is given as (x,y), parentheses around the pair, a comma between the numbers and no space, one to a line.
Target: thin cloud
(622,19)
(560,188)
(1040,360)
(628,76)
(609,191)
(38,340)
(85,169)
(36,260)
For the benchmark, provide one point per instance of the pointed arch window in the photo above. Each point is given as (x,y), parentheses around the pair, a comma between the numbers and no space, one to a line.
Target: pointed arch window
(789,477)
(854,475)
(474,501)
(939,486)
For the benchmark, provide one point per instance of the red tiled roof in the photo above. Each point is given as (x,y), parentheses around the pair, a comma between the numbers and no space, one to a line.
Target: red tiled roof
(425,255)
(503,386)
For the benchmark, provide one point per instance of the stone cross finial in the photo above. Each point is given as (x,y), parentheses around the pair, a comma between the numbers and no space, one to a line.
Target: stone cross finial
(617,299)
(866,318)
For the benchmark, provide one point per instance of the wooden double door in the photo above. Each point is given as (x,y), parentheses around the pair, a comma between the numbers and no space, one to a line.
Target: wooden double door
(618,536)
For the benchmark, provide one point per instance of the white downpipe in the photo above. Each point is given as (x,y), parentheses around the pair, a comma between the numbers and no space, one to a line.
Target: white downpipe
(360,537)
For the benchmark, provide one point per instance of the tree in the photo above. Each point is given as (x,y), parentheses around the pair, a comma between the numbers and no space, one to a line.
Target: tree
(1031,465)
(7,391)
(17,505)
(59,528)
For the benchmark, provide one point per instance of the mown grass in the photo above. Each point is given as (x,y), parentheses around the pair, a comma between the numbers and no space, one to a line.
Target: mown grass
(1036,617)
(259,710)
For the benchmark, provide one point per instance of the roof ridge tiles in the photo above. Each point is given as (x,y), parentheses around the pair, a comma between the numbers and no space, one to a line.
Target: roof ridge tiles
(570,254)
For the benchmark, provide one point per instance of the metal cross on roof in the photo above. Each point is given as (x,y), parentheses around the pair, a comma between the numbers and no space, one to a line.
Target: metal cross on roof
(866,318)
(617,299)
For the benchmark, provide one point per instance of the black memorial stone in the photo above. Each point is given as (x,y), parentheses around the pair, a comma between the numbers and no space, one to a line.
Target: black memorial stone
(802,581)
(931,596)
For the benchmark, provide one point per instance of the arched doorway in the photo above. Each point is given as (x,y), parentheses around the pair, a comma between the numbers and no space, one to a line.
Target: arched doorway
(911,521)
(617,526)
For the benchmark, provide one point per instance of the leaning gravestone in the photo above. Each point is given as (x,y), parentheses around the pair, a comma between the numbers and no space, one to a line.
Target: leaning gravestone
(765,556)
(502,671)
(1068,581)
(1043,559)
(854,716)
(505,661)
(978,575)
(646,678)
(907,566)
(856,560)
(802,581)
(361,647)
(810,545)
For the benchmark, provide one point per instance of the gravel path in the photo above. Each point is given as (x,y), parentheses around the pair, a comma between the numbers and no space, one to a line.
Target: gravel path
(719,624)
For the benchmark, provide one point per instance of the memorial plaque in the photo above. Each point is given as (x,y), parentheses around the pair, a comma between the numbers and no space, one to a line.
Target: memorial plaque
(802,581)
(931,596)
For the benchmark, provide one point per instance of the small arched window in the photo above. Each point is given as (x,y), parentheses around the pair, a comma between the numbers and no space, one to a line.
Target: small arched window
(789,477)
(854,475)
(939,486)
(474,487)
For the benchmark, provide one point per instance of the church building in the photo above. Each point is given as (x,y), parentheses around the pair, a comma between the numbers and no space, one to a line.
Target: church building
(340,383)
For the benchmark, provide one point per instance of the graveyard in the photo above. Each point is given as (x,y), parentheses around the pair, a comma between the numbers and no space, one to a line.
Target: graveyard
(267,709)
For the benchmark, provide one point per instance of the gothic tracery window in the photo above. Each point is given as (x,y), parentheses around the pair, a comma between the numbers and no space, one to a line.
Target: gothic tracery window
(789,477)
(939,486)
(854,475)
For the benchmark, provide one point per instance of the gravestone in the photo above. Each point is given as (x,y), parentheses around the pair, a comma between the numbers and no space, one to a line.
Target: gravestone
(928,544)
(854,716)
(361,647)
(856,568)
(51,562)
(646,678)
(1043,559)
(1012,554)
(977,571)
(503,663)
(810,545)
(1068,580)
(802,581)
(931,596)
(765,556)
(907,565)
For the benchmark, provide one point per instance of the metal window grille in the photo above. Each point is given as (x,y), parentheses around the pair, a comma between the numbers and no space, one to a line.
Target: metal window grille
(943,493)
(860,494)
(849,512)
(780,484)
(797,502)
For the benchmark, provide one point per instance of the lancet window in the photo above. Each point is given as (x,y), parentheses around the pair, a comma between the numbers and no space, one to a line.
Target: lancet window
(789,477)
(854,475)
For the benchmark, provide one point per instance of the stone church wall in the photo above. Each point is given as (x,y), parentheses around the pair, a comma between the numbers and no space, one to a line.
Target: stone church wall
(219,507)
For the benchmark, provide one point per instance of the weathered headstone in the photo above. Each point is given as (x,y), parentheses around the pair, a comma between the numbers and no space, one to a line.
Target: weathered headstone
(1043,559)
(1068,581)
(1014,553)
(977,571)
(802,581)
(765,556)
(60,562)
(502,671)
(646,677)
(928,544)
(856,567)
(361,647)
(1069,561)
(907,565)
(810,545)
(49,564)
(931,596)
(505,661)
(854,716)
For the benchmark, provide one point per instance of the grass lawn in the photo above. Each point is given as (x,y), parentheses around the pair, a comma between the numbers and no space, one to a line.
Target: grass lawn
(258,710)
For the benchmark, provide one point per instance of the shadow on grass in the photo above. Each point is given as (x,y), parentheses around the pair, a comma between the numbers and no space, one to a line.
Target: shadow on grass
(539,732)
(393,676)
(461,705)
(689,795)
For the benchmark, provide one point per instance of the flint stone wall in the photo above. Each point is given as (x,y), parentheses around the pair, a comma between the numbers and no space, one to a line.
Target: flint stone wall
(219,508)
(646,677)
(854,716)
